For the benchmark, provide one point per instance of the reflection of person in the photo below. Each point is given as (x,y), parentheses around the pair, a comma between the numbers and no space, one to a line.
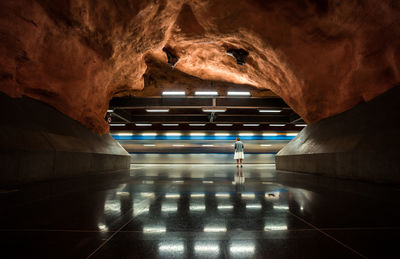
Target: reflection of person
(239,154)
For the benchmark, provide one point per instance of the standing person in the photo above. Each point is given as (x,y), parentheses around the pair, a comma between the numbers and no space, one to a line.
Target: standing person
(239,155)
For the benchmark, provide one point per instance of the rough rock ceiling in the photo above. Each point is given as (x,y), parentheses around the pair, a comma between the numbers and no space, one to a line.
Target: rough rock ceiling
(322,57)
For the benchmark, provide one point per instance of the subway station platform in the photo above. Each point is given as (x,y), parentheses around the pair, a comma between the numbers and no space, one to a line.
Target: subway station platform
(200,211)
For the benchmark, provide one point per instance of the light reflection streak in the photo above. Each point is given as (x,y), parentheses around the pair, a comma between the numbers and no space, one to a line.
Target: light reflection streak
(197,207)
(172,195)
(222,195)
(123,193)
(275,227)
(154,229)
(206,247)
(171,247)
(240,248)
(214,228)
(208,181)
(197,195)
(281,207)
(225,207)
(147,194)
(253,206)
(169,207)
(248,195)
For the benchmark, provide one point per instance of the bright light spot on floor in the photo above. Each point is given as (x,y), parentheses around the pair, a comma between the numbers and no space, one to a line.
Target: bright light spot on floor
(242,249)
(275,227)
(206,247)
(171,247)
(154,229)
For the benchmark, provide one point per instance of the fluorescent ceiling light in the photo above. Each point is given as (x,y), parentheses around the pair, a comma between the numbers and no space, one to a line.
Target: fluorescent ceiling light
(149,134)
(170,124)
(173,134)
(270,111)
(291,134)
(225,207)
(147,194)
(222,195)
(300,125)
(240,248)
(275,227)
(280,207)
(246,134)
(143,124)
(171,248)
(149,145)
(172,195)
(221,134)
(197,134)
(238,93)
(206,247)
(214,229)
(270,134)
(224,124)
(197,195)
(265,145)
(110,110)
(157,110)
(248,195)
(207,145)
(197,207)
(213,110)
(154,229)
(178,145)
(277,125)
(205,93)
(253,206)
(197,124)
(173,93)
(207,181)
(251,125)
(117,124)
(124,134)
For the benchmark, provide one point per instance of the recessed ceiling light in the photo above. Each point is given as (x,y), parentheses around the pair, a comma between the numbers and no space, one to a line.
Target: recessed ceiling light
(246,134)
(173,93)
(238,93)
(265,145)
(213,110)
(270,134)
(270,111)
(221,134)
(251,125)
(207,145)
(277,125)
(300,125)
(291,134)
(170,124)
(205,93)
(143,124)
(173,134)
(197,124)
(197,134)
(117,124)
(124,134)
(157,110)
(224,124)
(178,145)
(149,134)
(149,145)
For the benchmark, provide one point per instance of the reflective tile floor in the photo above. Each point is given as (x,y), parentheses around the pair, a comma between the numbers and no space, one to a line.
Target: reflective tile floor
(201,211)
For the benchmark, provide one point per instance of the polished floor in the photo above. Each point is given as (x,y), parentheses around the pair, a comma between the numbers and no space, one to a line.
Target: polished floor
(201,211)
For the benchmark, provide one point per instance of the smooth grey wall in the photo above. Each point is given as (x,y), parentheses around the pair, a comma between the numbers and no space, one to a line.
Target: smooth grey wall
(362,143)
(199,158)
(38,143)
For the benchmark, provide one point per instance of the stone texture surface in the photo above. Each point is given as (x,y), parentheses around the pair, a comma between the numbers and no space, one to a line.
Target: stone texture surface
(361,143)
(322,57)
(38,143)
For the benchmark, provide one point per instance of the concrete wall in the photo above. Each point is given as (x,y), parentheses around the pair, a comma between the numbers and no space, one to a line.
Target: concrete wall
(362,143)
(199,158)
(38,143)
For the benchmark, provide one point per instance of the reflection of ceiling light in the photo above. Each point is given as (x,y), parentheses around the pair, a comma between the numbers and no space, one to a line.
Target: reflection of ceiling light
(208,181)
(280,207)
(170,124)
(238,93)
(265,145)
(197,207)
(110,110)
(117,124)
(172,195)
(224,124)
(205,93)
(277,125)
(149,134)
(149,145)
(270,111)
(214,110)
(178,145)
(251,125)
(253,206)
(225,207)
(143,124)
(300,125)
(275,227)
(291,134)
(170,247)
(154,229)
(270,134)
(197,124)
(197,134)
(242,248)
(173,93)
(197,195)
(206,247)
(248,195)
(147,194)
(157,110)
(246,134)
(207,145)
(165,207)
(214,229)
(222,195)
(173,134)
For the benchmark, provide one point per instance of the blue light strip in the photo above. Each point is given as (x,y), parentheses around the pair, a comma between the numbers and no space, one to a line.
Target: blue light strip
(161,137)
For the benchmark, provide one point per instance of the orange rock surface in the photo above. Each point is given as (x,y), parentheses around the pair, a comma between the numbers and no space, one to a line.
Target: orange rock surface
(322,57)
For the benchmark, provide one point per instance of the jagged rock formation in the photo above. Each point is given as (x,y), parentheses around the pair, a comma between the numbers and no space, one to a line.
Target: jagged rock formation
(321,57)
